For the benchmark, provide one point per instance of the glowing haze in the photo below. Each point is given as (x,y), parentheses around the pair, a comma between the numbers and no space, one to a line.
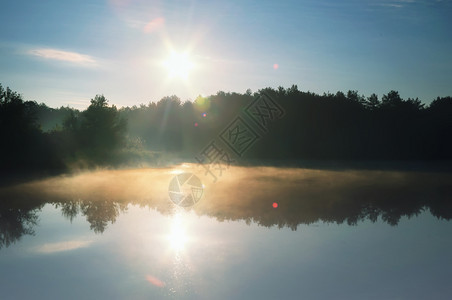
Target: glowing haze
(136,51)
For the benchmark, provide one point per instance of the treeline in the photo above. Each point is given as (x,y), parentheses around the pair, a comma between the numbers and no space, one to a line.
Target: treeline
(86,138)
(329,126)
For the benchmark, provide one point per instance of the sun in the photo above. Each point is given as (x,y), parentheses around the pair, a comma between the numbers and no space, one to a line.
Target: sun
(178,65)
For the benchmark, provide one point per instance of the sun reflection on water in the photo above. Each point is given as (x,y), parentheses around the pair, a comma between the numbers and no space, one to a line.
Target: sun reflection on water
(180,283)
(178,237)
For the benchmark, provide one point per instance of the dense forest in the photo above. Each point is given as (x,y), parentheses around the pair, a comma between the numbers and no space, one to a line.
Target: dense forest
(341,126)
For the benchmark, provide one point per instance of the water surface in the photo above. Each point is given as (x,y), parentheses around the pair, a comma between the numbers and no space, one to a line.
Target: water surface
(334,234)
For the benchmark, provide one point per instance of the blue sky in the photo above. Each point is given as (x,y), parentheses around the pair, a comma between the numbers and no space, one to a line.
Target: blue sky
(66,52)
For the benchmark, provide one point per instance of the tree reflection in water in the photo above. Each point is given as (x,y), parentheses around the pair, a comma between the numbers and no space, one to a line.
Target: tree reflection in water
(16,221)
(303,196)
(97,213)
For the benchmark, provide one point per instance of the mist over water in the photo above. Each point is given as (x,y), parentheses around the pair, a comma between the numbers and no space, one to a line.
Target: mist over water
(302,196)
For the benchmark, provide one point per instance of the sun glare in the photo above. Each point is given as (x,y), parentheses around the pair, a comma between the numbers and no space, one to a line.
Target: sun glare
(178,236)
(178,65)
(177,239)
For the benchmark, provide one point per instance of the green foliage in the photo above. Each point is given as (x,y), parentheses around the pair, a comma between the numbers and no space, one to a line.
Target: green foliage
(97,133)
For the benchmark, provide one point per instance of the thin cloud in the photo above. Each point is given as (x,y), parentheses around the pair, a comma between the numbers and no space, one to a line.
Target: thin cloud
(62,246)
(391,5)
(404,3)
(60,55)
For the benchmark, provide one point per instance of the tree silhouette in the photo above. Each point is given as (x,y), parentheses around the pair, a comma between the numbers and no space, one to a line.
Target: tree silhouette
(94,134)
(24,146)
(101,127)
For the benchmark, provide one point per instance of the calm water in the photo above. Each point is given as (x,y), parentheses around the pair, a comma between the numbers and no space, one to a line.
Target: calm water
(334,234)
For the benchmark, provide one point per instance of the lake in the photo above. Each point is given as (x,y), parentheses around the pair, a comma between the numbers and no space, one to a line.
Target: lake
(255,233)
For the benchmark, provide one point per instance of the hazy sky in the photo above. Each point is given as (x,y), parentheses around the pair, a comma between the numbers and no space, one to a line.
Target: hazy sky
(65,52)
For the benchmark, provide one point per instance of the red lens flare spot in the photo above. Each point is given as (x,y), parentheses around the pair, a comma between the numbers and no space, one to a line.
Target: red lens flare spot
(204,115)
(154,25)
(196,124)
(275,205)
(275,66)
(155,281)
